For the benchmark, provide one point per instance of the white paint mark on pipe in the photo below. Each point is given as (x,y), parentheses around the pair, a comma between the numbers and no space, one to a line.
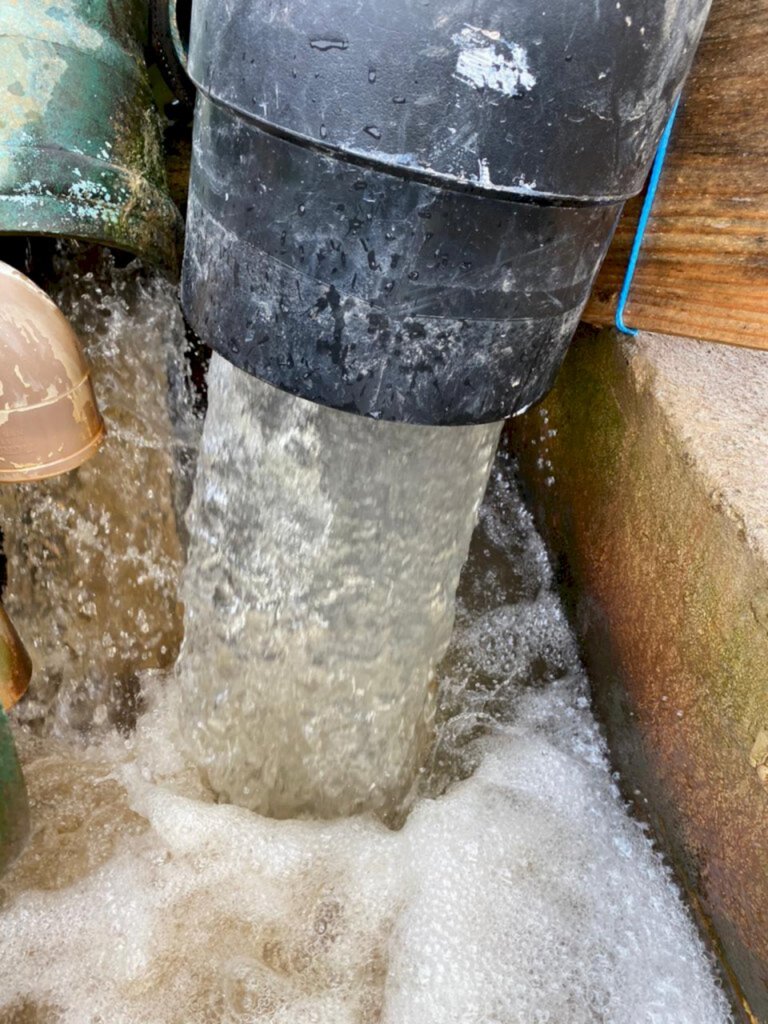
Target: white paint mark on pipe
(487,61)
(484,174)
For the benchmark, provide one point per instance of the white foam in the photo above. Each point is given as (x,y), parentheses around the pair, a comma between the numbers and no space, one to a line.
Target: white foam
(522,895)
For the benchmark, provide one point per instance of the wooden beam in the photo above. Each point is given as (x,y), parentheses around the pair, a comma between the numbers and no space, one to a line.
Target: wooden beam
(703,268)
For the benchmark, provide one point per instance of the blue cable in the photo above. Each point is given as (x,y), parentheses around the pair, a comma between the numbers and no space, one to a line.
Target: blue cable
(642,224)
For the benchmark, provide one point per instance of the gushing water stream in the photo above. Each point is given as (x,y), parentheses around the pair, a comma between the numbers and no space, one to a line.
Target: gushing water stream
(518,890)
(319,597)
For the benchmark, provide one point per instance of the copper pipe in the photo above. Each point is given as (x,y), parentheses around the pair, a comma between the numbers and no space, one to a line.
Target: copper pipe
(49,422)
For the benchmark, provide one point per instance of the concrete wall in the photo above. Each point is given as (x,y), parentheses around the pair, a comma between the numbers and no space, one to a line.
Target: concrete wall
(648,470)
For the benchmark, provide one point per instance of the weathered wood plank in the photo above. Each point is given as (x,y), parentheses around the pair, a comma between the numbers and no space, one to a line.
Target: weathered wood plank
(703,269)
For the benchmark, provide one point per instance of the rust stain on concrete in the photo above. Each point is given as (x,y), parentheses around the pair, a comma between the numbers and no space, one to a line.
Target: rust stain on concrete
(665,580)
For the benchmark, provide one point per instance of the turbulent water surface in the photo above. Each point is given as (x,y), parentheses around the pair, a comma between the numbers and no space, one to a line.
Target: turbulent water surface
(518,890)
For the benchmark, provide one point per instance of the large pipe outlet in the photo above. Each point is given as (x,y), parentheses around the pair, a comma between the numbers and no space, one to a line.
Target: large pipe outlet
(398,209)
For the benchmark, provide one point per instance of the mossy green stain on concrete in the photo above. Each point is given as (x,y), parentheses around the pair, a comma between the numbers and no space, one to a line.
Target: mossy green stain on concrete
(14,811)
(80,147)
(663,591)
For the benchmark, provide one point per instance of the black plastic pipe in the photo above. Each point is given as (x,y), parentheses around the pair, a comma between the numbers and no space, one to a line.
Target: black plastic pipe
(399,208)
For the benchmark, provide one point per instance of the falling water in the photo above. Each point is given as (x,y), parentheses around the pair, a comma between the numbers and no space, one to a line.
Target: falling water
(519,889)
(524,894)
(319,596)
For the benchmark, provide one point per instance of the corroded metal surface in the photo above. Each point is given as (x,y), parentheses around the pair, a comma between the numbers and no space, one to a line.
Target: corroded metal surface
(667,587)
(80,147)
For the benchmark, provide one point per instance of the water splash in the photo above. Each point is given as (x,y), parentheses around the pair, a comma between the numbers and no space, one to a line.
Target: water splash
(522,894)
(319,596)
(518,890)
(94,556)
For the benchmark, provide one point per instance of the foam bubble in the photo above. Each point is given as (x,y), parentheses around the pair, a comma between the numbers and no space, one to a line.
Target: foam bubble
(523,894)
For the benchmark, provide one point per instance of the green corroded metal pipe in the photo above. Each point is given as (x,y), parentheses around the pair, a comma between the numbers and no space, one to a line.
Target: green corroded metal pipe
(80,143)
(14,810)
